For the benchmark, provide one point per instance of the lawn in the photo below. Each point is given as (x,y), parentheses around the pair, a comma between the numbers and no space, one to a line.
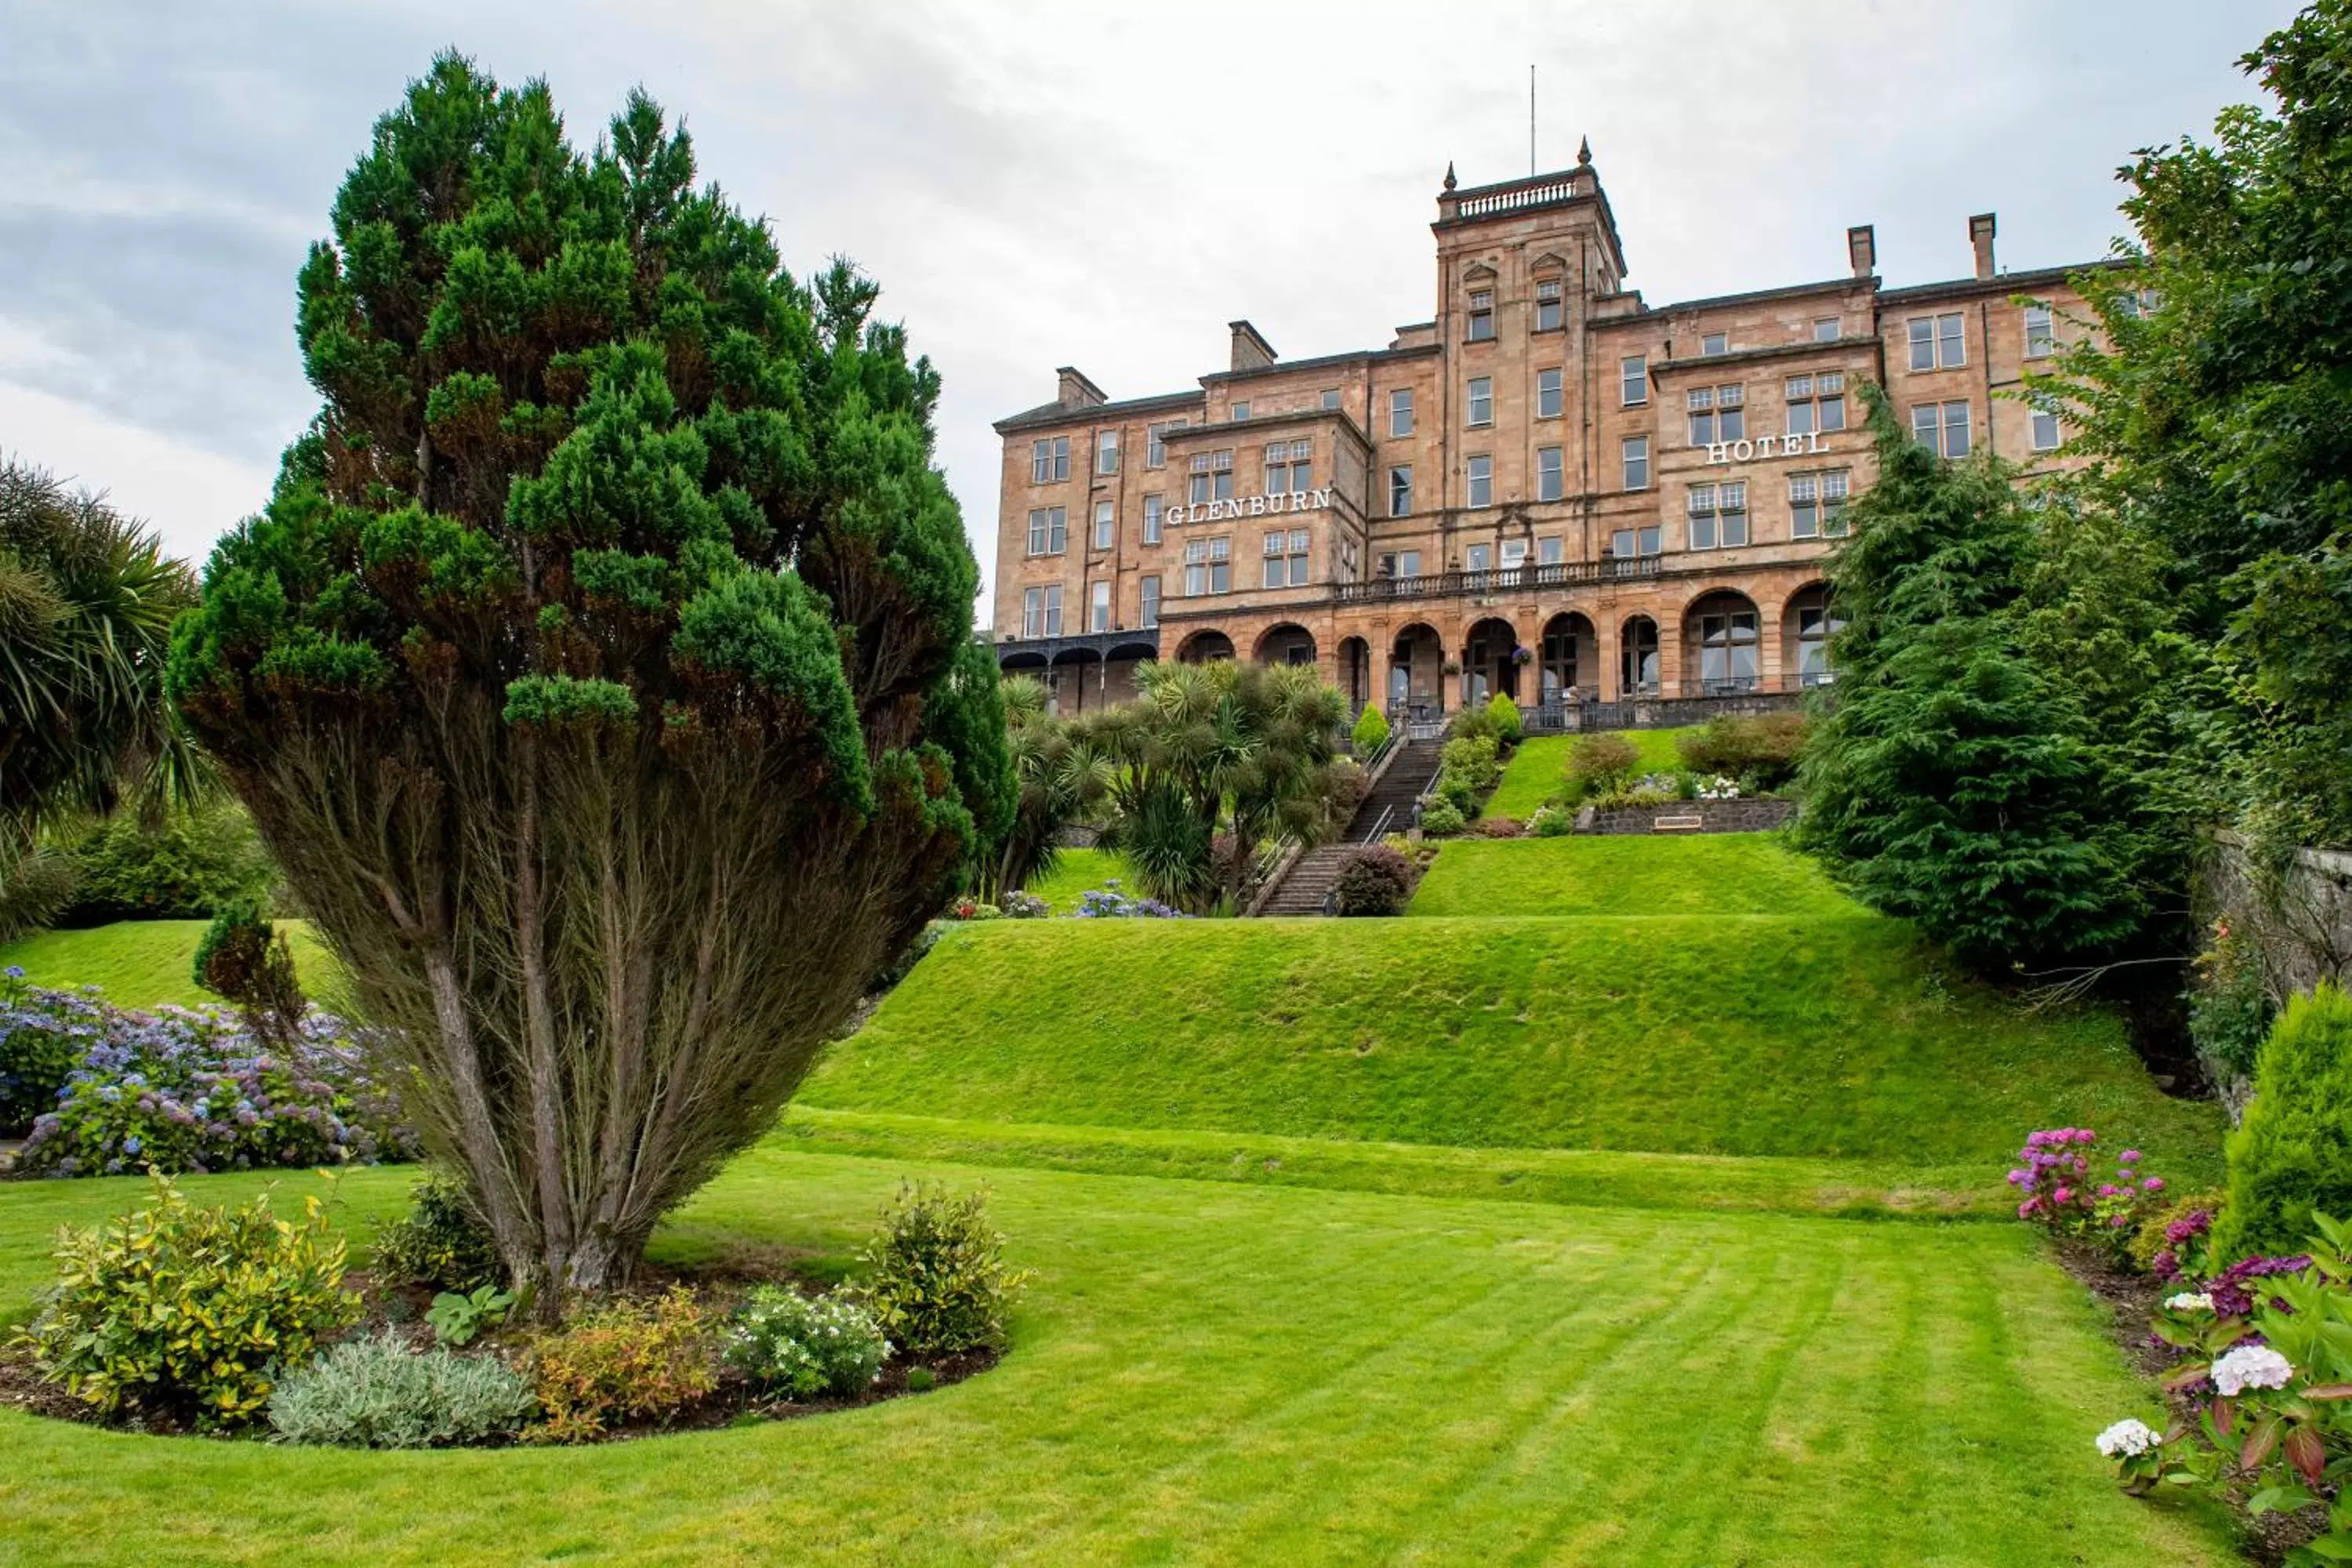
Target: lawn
(142,963)
(1539,769)
(1715,873)
(1207,1374)
(1076,872)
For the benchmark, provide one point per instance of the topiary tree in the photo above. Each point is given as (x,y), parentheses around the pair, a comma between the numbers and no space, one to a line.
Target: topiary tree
(1371,732)
(244,957)
(2293,1153)
(1503,721)
(600,673)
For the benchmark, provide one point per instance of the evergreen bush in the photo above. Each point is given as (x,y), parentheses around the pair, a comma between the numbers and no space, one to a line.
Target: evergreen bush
(438,1242)
(1600,762)
(1763,750)
(2293,1153)
(1503,721)
(1371,731)
(1441,818)
(186,868)
(935,1277)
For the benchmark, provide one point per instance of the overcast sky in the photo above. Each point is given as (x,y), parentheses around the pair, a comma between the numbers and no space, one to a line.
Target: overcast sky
(1038,184)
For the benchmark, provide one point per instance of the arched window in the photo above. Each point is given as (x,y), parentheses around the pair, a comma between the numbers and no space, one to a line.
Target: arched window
(1639,673)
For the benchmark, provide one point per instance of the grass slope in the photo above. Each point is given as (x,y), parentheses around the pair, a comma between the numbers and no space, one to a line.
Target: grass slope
(1539,769)
(1212,1374)
(1717,1035)
(1076,872)
(144,963)
(1716,873)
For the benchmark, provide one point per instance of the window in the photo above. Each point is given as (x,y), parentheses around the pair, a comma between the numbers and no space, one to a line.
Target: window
(1147,603)
(1717,414)
(1817,505)
(1548,551)
(1637,462)
(1212,475)
(1817,622)
(1939,343)
(1049,531)
(1238,411)
(1548,394)
(2134,303)
(2041,333)
(1098,609)
(1106,451)
(1408,564)
(1816,403)
(1155,451)
(1630,542)
(1727,650)
(1400,411)
(1106,524)
(1478,558)
(1208,567)
(1828,329)
(1547,305)
(1547,473)
(1401,489)
(1634,380)
(1041,612)
(1942,428)
(1718,516)
(1330,397)
(1715,344)
(1639,669)
(1286,559)
(1515,554)
(1049,460)
(1482,315)
(1481,470)
(2046,434)
(1289,465)
(1152,516)
(1481,400)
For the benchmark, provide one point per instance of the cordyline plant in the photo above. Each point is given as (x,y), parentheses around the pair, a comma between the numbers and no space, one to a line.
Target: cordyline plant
(600,672)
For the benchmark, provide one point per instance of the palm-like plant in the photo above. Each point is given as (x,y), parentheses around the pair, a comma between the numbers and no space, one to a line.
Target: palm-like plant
(1058,777)
(87,599)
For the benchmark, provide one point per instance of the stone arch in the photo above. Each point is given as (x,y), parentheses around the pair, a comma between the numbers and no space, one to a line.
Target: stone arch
(1808,620)
(1638,669)
(1356,671)
(1416,679)
(1723,646)
(1204,646)
(1487,666)
(1570,659)
(1285,642)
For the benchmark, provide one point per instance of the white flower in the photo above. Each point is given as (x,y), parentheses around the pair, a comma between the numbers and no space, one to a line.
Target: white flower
(2129,1437)
(2189,1301)
(2251,1366)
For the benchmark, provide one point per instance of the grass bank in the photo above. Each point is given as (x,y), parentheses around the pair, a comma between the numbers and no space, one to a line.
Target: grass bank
(1633,874)
(144,963)
(1539,769)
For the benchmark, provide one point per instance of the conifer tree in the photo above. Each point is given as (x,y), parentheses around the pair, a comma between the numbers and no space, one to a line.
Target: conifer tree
(600,672)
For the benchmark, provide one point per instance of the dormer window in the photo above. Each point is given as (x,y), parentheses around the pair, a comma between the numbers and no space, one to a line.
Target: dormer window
(1482,315)
(1547,305)
(1715,344)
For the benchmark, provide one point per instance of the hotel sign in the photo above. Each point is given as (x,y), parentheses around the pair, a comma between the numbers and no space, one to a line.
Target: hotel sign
(1764,446)
(1253,506)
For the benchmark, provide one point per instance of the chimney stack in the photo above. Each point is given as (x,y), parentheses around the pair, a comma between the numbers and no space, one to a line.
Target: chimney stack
(1076,390)
(1251,351)
(1980,236)
(1861,249)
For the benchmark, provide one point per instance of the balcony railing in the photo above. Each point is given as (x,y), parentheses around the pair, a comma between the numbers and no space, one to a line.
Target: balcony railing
(1541,190)
(1500,580)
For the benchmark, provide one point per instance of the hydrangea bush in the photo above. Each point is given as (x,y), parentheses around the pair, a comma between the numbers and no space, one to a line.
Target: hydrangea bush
(1108,903)
(43,1037)
(2059,1193)
(191,1089)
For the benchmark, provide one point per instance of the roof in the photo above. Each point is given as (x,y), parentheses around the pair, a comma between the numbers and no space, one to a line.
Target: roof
(1047,413)
(1828,286)
(1321,362)
(2000,283)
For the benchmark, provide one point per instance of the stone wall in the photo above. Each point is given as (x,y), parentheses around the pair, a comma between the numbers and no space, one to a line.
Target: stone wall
(1755,815)
(2300,916)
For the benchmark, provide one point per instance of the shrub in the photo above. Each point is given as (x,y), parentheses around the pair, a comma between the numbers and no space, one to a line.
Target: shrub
(374,1393)
(1021,906)
(44,1035)
(628,1361)
(1633,797)
(245,959)
(1345,785)
(2229,1007)
(438,1242)
(2171,1240)
(1597,762)
(1499,827)
(1762,750)
(785,1341)
(2293,1151)
(1375,880)
(935,1277)
(1474,759)
(1441,819)
(193,1089)
(1551,822)
(1108,903)
(1371,731)
(190,1310)
(1503,721)
(2059,1193)
(187,867)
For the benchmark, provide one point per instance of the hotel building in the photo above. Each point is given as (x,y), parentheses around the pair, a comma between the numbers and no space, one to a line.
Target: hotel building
(1553,488)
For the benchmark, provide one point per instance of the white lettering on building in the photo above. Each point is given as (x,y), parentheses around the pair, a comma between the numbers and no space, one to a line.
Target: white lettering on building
(1764,446)
(1317,500)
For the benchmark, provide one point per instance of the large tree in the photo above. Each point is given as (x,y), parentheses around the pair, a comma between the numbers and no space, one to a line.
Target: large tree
(600,672)
(87,599)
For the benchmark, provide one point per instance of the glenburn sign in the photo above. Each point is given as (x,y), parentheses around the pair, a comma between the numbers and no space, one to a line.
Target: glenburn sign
(1763,446)
(1276,505)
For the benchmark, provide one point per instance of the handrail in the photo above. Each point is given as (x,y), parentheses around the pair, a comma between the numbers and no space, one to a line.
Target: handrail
(1379,825)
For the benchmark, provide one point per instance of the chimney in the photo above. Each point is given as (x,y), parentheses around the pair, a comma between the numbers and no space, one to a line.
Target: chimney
(1077,391)
(1980,236)
(1861,249)
(1251,351)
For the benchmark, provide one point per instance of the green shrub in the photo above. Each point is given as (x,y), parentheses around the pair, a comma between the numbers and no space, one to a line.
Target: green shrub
(1371,731)
(374,1393)
(921,1379)
(2151,1240)
(438,1242)
(1474,722)
(2294,1152)
(1441,819)
(1375,880)
(190,1310)
(1551,822)
(1597,762)
(634,1360)
(1761,752)
(247,960)
(2229,1007)
(1474,759)
(804,1347)
(935,1277)
(186,868)
(1503,721)
(456,1317)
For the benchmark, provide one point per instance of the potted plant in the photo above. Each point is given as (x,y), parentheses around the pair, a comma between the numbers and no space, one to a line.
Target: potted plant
(1522,655)
(1452,667)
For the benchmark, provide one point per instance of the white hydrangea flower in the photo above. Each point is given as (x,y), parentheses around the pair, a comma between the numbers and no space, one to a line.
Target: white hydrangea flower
(2189,1301)
(2251,1366)
(2129,1438)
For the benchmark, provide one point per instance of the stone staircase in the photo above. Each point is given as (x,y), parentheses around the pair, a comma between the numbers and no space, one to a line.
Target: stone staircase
(1387,809)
